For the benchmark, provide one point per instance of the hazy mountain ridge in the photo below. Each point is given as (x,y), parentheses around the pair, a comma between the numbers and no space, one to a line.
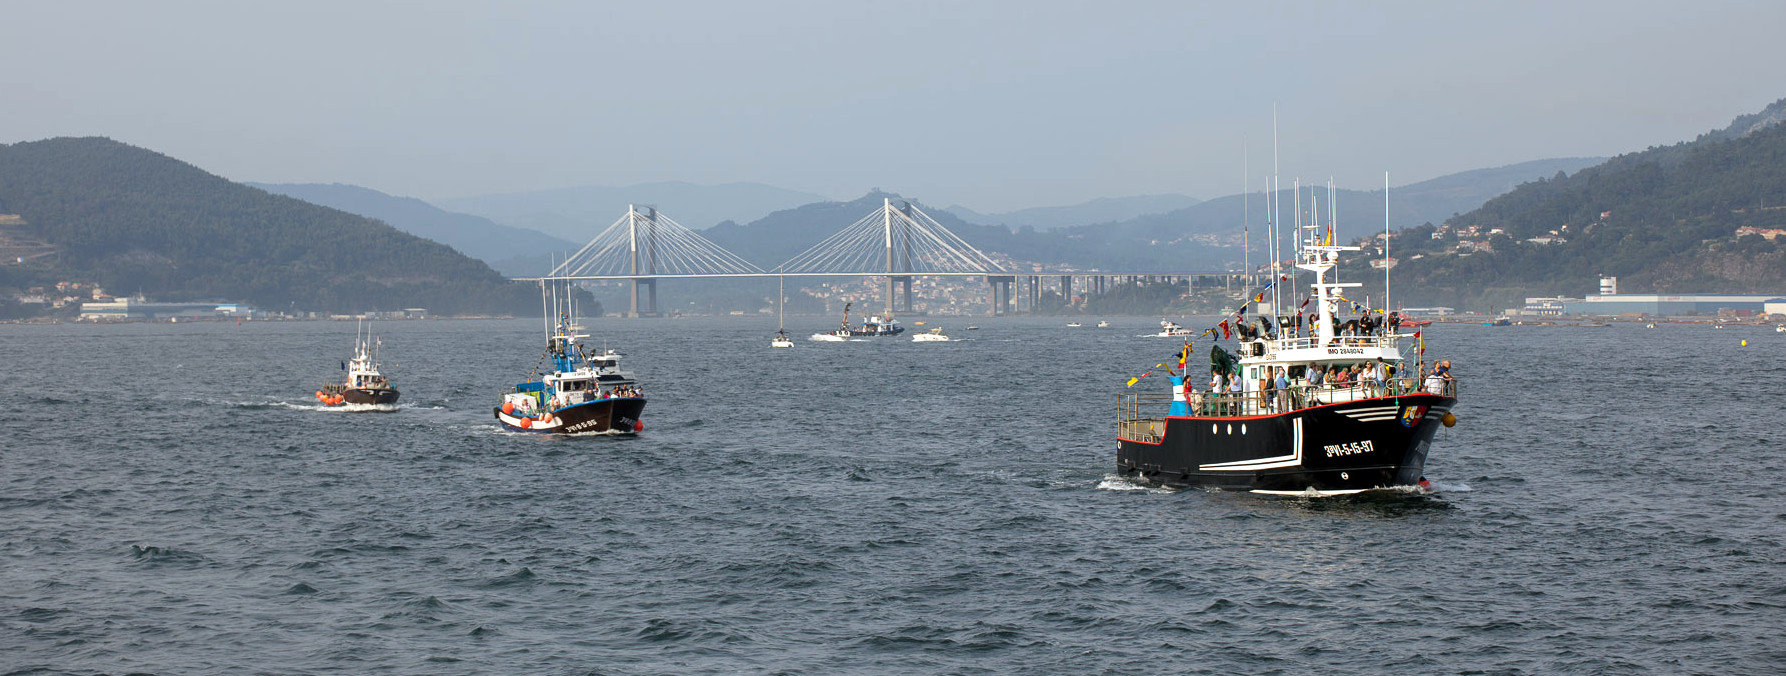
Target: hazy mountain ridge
(1205,236)
(1102,209)
(511,250)
(136,220)
(578,213)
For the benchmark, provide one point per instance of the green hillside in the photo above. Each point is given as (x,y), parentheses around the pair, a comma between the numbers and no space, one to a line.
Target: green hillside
(1663,220)
(136,220)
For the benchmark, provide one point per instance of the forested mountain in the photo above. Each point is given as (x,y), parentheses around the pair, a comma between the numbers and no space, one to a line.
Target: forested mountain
(1663,220)
(579,213)
(1099,210)
(136,220)
(510,250)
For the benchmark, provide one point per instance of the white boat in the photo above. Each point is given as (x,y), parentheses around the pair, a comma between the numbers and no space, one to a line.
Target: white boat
(935,335)
(1169,329)
(1073,325)
(1780,329)
(781,338)
(841,334)
(1103,324)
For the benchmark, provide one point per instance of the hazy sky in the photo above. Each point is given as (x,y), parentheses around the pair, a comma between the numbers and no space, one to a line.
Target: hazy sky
(991,104)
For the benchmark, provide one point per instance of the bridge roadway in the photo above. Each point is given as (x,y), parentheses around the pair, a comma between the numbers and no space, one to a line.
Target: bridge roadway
(644,286)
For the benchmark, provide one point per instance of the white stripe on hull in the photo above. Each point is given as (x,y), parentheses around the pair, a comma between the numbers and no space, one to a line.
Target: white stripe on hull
(1291,460)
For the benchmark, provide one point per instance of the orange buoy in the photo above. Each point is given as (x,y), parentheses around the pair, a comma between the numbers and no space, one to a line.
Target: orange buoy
(508,408)
(526,423)
(639,426)
(319,396)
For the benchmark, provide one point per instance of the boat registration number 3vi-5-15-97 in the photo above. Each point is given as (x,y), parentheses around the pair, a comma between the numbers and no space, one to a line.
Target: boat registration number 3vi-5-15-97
(1353,448)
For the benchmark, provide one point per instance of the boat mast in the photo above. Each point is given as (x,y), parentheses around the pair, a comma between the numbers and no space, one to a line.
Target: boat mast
(1276,214)
(1386,305)
(1246,214)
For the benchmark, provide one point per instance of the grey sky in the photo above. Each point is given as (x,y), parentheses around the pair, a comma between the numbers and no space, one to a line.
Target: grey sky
(994,105)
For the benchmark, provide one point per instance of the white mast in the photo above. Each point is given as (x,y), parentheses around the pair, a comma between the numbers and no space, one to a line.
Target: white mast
(1246,213)
(1386,305)
(1277,215)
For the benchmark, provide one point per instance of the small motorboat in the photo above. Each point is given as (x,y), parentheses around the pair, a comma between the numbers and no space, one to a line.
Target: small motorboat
(781,338)
(365,385)
(841,334)
(1170,329)
(1103,324)
(1073,325)
(935,335)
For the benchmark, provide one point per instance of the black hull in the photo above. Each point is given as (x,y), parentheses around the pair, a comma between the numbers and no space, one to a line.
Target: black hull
(620,415)
(871,334)
(370,396)
(1346,447)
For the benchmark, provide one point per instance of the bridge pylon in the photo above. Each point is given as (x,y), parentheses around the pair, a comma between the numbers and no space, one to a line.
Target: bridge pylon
(644,244)
(901,242)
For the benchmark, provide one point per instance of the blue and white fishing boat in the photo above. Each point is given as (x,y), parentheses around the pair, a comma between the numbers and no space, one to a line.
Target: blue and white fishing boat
(582,392)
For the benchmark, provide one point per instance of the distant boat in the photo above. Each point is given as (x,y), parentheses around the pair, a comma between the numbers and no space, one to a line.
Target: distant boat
(364,385)
(1103,324)
(781,338)
(1170,329)
(1498,321)
(1416,323)
(971,327)
(935,335)
(1073,325)
(843,329)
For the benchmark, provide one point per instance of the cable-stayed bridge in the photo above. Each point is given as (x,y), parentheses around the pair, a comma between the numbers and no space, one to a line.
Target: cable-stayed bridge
(896,242)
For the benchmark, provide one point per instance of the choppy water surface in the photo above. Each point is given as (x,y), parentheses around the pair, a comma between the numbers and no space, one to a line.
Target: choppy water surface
(171,501)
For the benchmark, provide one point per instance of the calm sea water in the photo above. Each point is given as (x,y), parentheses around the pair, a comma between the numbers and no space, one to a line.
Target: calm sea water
(172,502)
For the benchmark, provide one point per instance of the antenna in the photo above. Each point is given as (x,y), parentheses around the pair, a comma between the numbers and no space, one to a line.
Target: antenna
(1246,215)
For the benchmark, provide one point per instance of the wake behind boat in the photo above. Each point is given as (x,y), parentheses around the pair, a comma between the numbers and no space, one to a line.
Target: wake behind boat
(583,392)
(365,385)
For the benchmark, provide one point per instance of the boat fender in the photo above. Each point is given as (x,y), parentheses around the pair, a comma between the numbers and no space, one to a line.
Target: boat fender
(508,408)
(1449,419)
(319,396)
(526,423)
(546,417)
(639,426)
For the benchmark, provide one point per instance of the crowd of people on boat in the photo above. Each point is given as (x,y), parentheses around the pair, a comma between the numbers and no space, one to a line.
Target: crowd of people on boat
(1366,324)
(1283,389)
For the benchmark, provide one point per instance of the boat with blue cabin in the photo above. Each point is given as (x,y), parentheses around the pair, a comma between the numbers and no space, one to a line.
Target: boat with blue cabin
(581,391)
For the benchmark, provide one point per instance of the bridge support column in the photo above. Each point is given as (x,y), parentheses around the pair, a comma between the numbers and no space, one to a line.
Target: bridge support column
(903,292)
(1066,288)
(1001,293)
(649,307)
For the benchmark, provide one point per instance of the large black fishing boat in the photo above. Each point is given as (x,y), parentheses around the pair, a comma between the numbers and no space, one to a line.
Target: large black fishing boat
(1328,435)
(581,392)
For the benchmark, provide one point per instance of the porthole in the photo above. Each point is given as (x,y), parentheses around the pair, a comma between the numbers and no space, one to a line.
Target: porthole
(1214,428)
(1243,428)
(1230,428)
